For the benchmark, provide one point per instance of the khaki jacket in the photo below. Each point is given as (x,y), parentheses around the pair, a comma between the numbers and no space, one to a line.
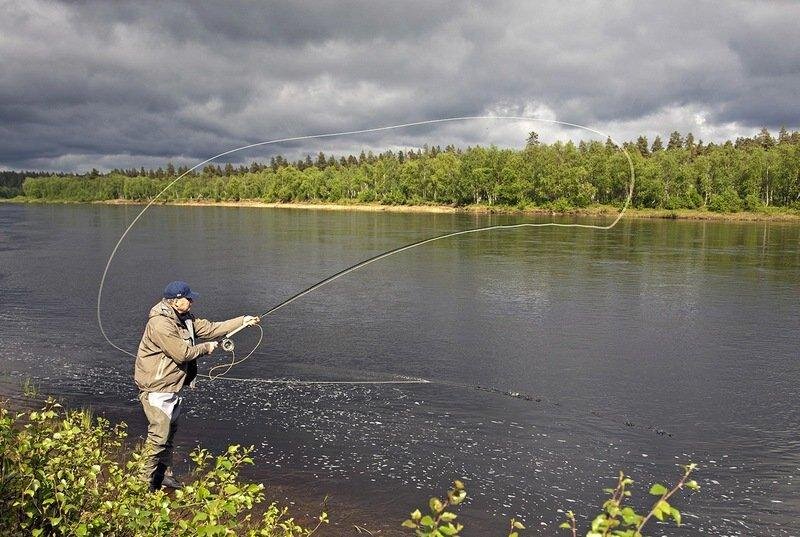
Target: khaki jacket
(165,361)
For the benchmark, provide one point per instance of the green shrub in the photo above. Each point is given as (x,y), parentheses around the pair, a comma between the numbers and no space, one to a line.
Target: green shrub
(394,197)
(616,519)
(726,202)
(64,473)
(9,192)
(561,205)
(753,203)
(585,195)
(687,200)
(620,520)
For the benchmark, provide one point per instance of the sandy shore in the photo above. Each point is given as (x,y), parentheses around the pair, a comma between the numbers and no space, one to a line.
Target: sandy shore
(595,211)
(365,207)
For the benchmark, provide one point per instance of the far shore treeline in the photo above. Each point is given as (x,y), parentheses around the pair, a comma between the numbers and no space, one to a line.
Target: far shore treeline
(747,174)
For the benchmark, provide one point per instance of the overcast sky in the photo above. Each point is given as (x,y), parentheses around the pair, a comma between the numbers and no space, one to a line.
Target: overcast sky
(107,84)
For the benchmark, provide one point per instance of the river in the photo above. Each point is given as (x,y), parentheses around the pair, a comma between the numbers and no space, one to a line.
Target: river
(556,356)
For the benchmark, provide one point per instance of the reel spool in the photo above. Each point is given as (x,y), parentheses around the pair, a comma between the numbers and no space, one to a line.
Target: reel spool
(227,343)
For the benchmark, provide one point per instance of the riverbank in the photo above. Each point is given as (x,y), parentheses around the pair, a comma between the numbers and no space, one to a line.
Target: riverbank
(77,472)
(348,515)
(779,214)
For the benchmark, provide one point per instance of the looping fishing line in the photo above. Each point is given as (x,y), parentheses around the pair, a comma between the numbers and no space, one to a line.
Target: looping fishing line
(234,362)
(402,379)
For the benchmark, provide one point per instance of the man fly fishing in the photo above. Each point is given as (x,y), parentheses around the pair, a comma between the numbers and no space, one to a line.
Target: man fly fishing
(166,361)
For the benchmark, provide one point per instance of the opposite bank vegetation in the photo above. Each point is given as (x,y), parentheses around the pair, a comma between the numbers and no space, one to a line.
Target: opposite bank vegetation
(759,174)
(65,472)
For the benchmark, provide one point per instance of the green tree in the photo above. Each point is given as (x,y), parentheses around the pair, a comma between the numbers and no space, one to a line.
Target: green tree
(658,145)
(641,145)
(689,143)
(675,141)
(765,139)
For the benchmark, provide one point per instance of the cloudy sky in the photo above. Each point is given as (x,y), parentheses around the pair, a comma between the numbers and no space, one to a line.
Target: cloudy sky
(108,84)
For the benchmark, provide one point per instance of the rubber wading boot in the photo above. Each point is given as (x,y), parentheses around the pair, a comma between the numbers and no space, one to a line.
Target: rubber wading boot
(171,482)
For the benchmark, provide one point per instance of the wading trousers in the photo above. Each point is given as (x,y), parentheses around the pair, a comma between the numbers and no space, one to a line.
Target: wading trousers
(162,411)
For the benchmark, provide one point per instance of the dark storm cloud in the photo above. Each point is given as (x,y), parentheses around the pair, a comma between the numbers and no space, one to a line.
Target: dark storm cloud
(122,84)
(287,23)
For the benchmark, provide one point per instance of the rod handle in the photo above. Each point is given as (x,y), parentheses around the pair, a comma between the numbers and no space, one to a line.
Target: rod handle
(236,331)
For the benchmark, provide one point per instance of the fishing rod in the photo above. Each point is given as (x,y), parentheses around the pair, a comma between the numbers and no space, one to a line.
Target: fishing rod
(416,244)
(228,345)
(227,342)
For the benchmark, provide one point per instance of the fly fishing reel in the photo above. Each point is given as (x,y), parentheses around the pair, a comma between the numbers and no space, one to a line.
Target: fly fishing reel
(227,345)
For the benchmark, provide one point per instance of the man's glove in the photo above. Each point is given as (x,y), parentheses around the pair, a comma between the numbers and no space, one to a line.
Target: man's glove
(250,320)
(211,346)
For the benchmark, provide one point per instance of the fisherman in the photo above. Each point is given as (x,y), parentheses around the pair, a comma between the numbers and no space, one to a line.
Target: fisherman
(166,362)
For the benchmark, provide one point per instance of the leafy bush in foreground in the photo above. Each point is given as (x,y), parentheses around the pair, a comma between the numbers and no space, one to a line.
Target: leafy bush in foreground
(60,474)
(619,520)
(616,520)
(65,473)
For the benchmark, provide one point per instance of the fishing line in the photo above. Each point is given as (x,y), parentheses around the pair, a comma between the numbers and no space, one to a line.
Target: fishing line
(399,249)
(404,380)
(234,362)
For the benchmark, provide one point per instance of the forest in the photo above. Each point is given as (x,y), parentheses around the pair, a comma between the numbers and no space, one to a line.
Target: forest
(746,174)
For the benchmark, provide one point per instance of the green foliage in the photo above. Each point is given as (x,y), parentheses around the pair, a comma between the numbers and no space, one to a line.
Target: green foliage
(11,183)
(753,203)
(29,389)
(560,176)
(561,205)
(726,202)
(620,520)
(439,522)
(64,473)
(616,519)
(9,192)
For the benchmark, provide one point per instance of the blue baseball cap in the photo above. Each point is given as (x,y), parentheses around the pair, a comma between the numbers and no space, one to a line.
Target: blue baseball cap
(179,289)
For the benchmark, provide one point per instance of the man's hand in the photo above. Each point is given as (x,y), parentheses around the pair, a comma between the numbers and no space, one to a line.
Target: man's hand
(250,320)
(211,346)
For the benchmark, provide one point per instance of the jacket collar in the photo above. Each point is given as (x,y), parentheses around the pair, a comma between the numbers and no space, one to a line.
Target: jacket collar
(164,309)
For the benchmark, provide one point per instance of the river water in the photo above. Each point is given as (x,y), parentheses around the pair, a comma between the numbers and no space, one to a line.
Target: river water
(557,356)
